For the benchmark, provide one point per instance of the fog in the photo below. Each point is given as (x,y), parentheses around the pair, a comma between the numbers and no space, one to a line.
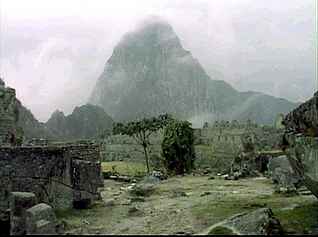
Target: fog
(52,52)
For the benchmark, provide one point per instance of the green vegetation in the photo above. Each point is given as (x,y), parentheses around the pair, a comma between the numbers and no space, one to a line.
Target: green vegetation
(132,169)
(300,219)
(178,147)
(141,131)
(297,219)
(220,230)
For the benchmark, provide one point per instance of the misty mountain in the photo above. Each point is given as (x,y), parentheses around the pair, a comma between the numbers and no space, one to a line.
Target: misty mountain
(150,73)
(85,122)
(32,128)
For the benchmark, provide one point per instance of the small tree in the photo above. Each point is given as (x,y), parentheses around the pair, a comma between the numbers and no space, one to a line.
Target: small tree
(177,147)
(141,130)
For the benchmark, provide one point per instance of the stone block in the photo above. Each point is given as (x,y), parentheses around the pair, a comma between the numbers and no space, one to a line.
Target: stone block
(19,203)
(41,219)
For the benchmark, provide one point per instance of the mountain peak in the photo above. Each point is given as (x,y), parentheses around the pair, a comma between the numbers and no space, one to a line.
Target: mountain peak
(150,73)
(151,32)
(154,22)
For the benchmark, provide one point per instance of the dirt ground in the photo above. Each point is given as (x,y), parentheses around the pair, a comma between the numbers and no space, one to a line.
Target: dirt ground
(188,205)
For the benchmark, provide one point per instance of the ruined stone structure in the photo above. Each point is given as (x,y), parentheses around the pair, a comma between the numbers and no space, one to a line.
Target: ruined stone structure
(219,144)
(300,142)
(231,133)
(215,146)
(61,176)
(8,113)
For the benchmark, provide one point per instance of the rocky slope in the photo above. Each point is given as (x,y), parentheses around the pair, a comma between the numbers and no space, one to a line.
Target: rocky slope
(150,73)
(31,127)
(85,122)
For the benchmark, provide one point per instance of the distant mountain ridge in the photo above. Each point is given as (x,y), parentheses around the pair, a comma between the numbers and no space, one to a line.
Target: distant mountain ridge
(150,73)
(85,122)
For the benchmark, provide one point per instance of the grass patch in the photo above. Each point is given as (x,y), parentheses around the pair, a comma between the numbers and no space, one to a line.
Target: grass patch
(296,220)
(300,219)
(220,230)
(132,169)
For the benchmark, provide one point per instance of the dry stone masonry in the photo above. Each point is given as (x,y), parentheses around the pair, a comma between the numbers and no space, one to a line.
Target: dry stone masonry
(300,142)
(61,176)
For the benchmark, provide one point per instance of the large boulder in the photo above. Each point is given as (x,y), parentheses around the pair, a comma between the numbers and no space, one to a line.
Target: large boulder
(19,203)
(300,142)
(146,187)
(41,219)
(258,222)
(282,174)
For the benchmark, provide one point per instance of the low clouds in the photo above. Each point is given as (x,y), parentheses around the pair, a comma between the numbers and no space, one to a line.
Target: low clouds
(52,52)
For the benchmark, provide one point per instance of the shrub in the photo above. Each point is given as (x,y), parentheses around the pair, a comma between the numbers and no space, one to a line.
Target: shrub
(177,147)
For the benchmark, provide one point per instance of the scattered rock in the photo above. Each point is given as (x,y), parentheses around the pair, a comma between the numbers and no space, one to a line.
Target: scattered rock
(179,193)
(126,202)
(134,211)
(151,180)
(158,175)
(143,189)
(86,222)
(19,203)
(205,194)
(258,222)
(137,199)
(117,194)
(41,219)
(226,176)
(183,233)
(124,179)
(207,171)
(109,202)
(107,174)
(283,175)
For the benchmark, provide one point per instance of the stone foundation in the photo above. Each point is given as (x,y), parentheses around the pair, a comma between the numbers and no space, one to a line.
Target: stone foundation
(56,175)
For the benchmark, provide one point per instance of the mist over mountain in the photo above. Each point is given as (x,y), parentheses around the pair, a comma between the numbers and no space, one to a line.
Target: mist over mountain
(150,73)
(85,122)
(53,52)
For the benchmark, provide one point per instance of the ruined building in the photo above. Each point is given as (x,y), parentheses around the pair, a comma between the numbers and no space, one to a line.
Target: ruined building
(219,143)
(61,175)
(300,142)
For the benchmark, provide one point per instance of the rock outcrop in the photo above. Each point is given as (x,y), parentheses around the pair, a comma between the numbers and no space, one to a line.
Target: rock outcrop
(85,122)
(16,121)
(9,114)
(300,142)
(150,73)
(258,222)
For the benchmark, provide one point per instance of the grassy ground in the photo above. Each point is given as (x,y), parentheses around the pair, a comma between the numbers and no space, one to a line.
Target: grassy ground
(189,204)
(125,168)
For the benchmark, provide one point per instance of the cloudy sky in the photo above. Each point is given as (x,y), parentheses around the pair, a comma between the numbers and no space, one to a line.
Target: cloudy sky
(52,52)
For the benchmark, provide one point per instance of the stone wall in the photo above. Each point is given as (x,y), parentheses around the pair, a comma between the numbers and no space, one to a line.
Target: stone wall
(215,146)
(125,148)
(300,142)
(58,176)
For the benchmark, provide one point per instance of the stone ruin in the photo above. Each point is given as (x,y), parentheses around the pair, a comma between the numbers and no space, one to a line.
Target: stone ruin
(300,142)
(38,178)
(61,176)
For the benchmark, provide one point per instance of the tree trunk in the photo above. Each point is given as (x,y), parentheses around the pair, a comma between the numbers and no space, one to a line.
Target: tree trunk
(147,159)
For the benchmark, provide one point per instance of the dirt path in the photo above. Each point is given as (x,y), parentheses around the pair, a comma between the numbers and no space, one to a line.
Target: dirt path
(186,205)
